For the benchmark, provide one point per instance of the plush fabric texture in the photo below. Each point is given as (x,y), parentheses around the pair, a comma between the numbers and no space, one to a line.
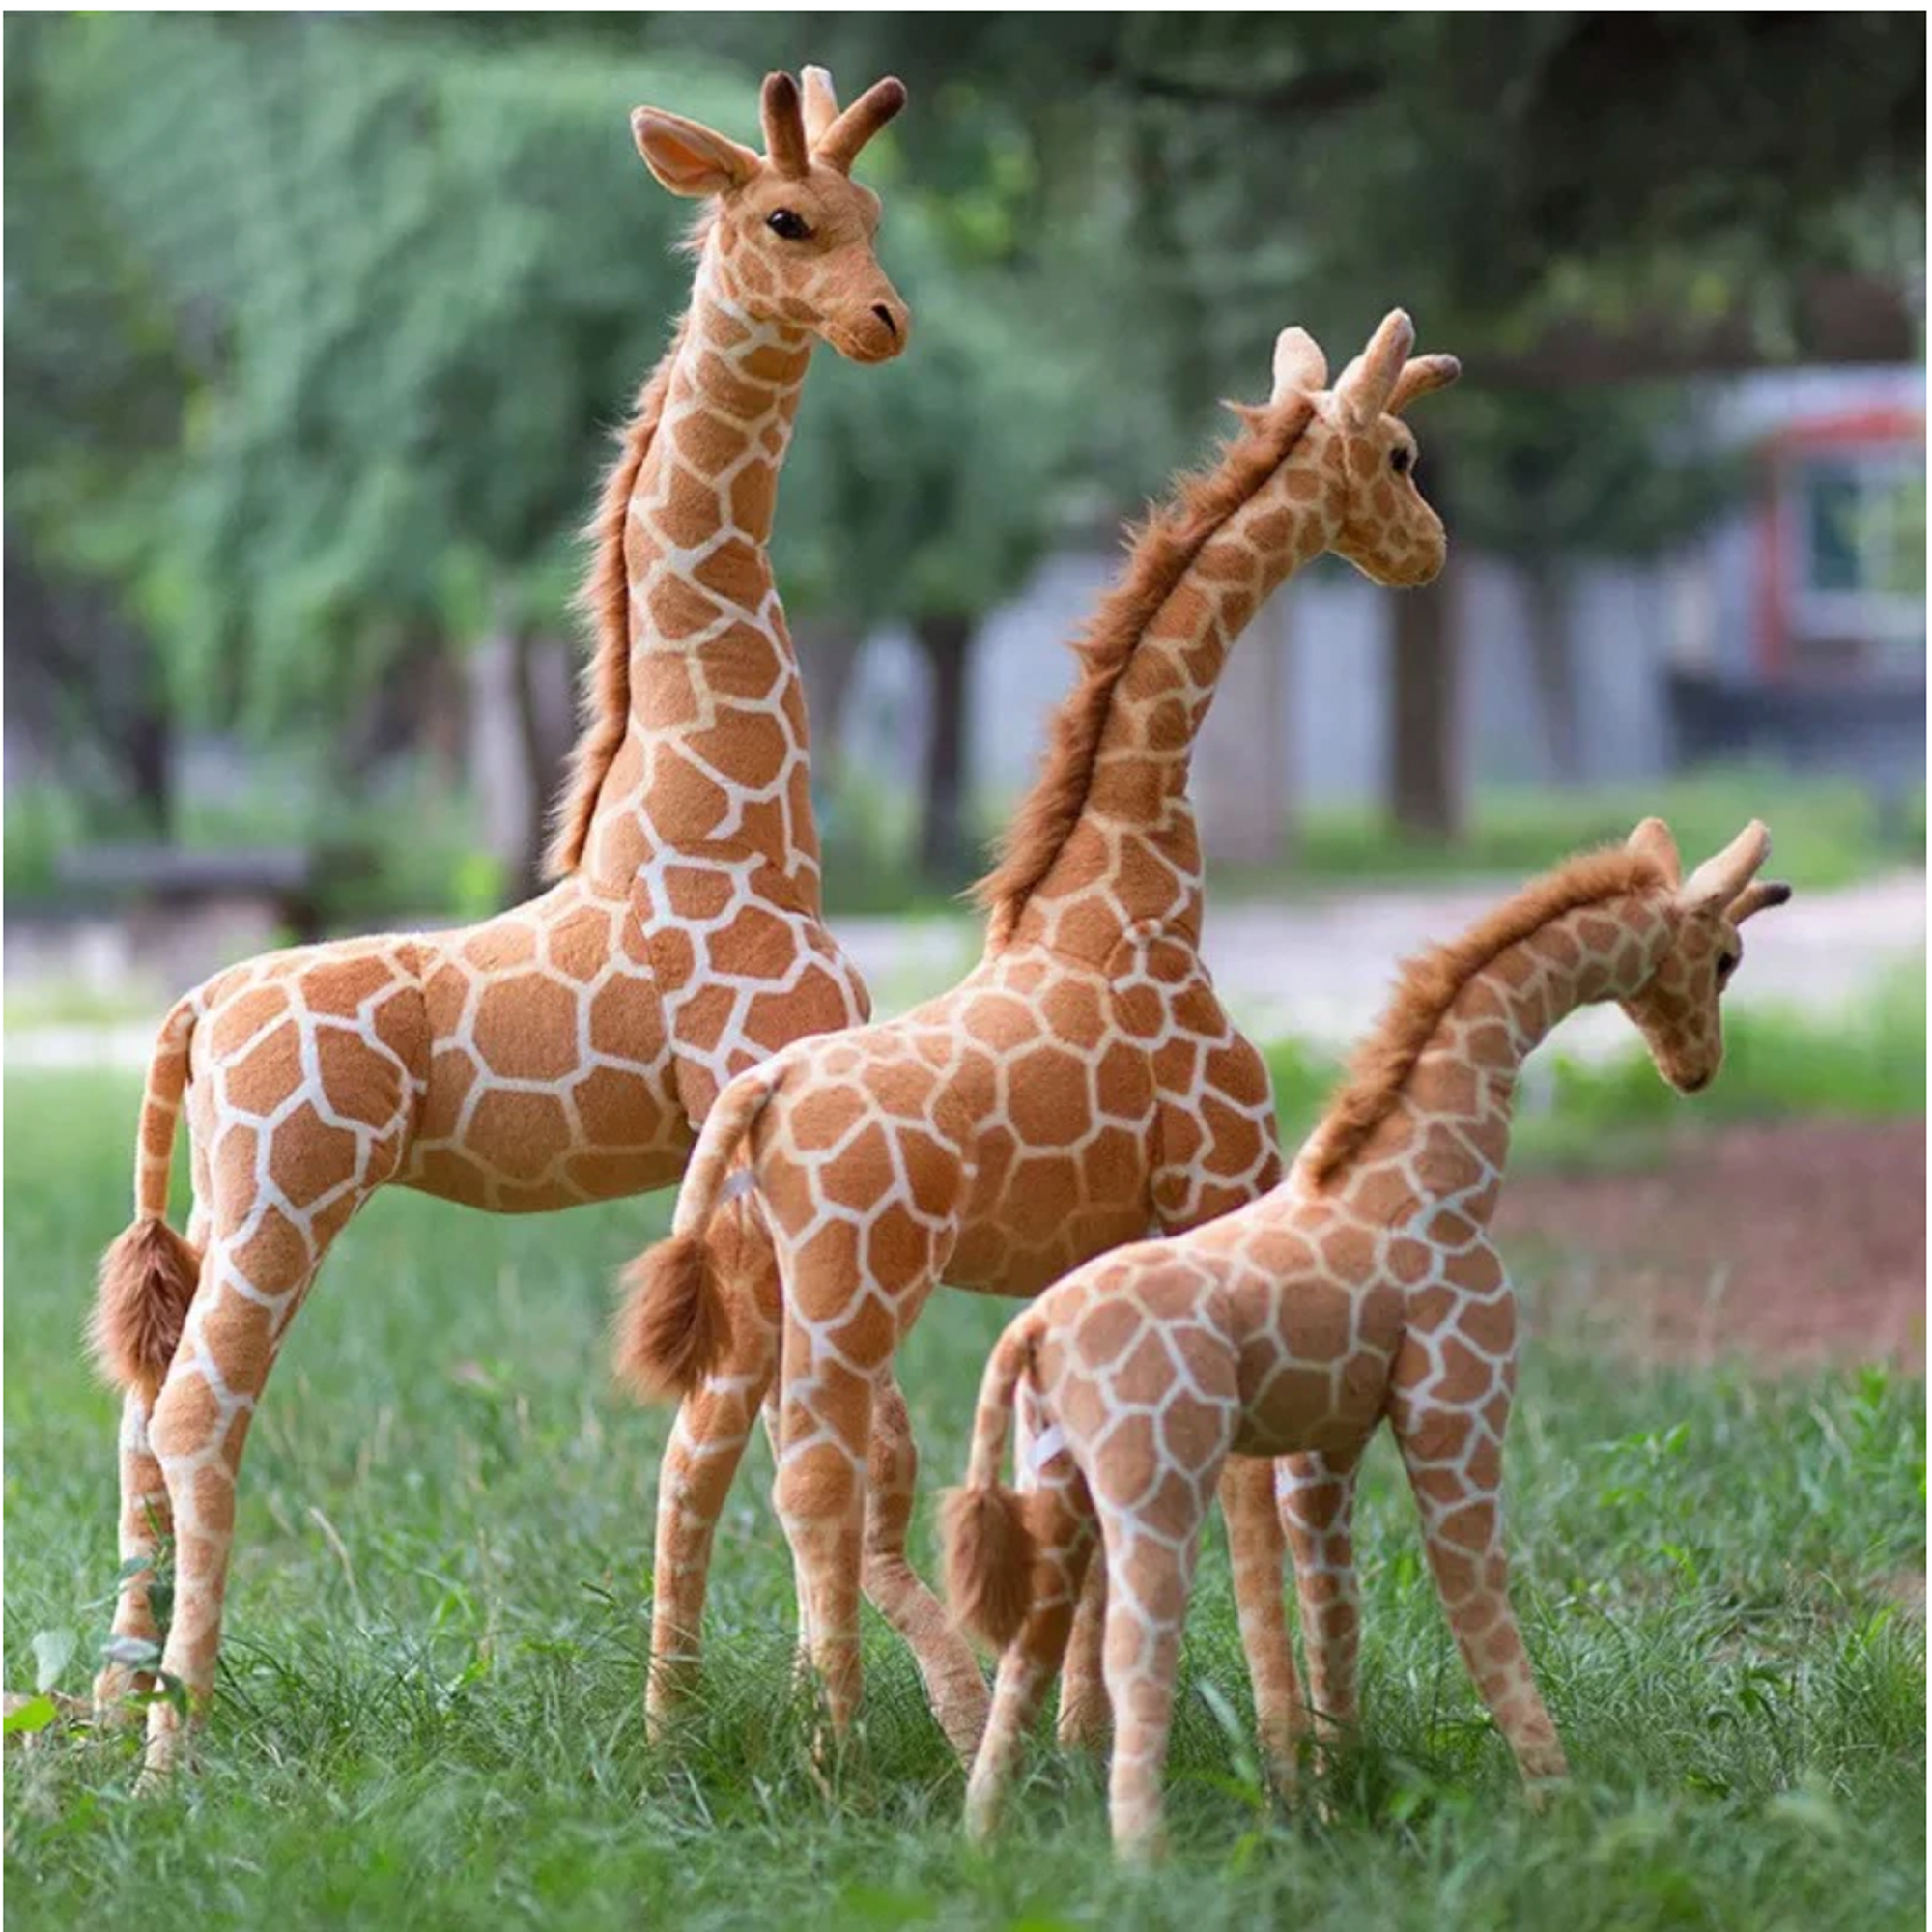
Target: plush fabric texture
(1364,1286)
(565,1051)
(1082,1085)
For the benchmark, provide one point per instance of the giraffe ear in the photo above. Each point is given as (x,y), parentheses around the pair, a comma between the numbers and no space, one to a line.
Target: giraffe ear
(1299,366)
(1718,882)
(1652,839)
(687,157)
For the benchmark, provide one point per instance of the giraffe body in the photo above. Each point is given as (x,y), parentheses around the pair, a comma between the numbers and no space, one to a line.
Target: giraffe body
(562,1052)
(1081,1086)
(1363,1288)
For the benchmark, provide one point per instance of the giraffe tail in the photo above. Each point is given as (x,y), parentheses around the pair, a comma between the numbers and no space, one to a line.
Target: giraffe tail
(988,1546)
(673,1326)
(148,1277)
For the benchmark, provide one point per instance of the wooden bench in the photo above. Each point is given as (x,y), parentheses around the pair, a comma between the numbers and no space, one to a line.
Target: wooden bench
(290,883)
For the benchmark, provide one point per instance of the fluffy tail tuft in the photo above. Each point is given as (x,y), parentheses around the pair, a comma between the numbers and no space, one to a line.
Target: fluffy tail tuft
(147,1281)
(672,1326)
(989,1560)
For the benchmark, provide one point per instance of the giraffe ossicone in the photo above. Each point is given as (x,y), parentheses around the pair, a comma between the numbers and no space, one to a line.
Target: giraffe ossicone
(1364,1286)
(562,1052)
(1082,1086)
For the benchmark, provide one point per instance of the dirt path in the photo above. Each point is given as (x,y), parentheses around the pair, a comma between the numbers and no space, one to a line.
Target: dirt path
(1796,1242)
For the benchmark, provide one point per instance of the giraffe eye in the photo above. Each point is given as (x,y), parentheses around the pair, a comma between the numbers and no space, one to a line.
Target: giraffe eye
(1401,457)
(1727,964)
(788,225)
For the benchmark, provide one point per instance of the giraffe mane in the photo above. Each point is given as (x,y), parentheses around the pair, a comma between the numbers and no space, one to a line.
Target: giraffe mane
(1427,986)
(1162,549)
(605,600)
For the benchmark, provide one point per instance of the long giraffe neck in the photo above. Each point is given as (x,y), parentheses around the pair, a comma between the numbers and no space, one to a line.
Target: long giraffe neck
(716,746)
(1446,1143)
(1134,858)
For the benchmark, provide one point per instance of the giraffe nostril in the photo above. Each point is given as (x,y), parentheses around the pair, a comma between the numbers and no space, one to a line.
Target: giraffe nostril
(886,316)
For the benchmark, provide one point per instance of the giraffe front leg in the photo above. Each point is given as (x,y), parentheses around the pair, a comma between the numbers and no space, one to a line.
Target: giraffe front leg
(1258,1554)
(1450,1410)
(146,1524)
(955,1688)
(1316,1498)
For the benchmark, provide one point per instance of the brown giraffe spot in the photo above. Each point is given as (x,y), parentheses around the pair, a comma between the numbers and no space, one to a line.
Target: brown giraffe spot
(1465,1376)
(613,1177)
(743,665)
(501,945)
(1380,1197)
(267,1075)
(1047,1089)
(690,513)
(734,572)
(1049,1185)
(526,1029)
(577,944)
(753,492)
(240,1019)
(1301,1391)
(1104,1330)
(1469,1527)
(999,1022)
(1320,1318)
(451,1175)
(340,987)
(821,1116)
(849,1176)
(703,1018)
(521,1133)
(897,1249)
(868,1331)
(931,1169)
(679,608)
(357,1084)
(1445,1163)
(452,1073)
(612,1106)
(310,1160)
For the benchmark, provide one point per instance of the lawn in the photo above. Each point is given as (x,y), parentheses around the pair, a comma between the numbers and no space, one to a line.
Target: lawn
(431,1710)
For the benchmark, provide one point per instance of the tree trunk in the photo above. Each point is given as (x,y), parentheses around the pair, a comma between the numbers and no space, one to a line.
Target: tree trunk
(149,745)
(1547,605)
(1426,764)
(828,654)
(526,878)
(946,853)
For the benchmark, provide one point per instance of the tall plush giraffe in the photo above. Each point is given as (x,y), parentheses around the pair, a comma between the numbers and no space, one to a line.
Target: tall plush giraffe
(1082,1086)
(565,1051)
(1366,1285)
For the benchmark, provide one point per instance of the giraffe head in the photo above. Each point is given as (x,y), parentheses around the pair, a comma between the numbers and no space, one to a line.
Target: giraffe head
(789,234)
(1386,532)
(1677,1010)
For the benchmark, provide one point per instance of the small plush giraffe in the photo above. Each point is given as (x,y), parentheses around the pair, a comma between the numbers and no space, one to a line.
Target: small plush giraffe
(565,1051)
(1082,1086)
(1364,1286)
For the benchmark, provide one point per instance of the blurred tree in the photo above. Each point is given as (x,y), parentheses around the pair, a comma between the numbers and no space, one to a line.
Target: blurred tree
(1550,480)
(95,381)
(925,496)
(415,315)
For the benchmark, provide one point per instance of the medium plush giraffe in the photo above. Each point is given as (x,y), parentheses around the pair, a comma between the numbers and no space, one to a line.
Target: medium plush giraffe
(1364,1286)
(565,1051)
(1082,1086)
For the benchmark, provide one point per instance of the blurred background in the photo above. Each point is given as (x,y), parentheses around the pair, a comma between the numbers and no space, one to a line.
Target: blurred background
(317,329)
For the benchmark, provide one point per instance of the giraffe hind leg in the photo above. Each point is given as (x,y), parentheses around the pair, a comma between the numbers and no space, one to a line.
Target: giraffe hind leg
(955,1688)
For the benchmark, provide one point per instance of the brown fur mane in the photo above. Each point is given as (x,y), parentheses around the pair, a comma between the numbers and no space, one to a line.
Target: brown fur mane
(1428,985)
(605,601)
(1163,549)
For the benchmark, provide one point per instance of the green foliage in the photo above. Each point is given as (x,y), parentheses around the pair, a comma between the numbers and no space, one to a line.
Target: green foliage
(1827,832)
(1709,1570)
(1776,1064)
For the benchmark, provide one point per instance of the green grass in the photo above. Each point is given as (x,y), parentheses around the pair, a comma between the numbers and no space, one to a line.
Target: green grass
(1829,831)
(441,1725)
